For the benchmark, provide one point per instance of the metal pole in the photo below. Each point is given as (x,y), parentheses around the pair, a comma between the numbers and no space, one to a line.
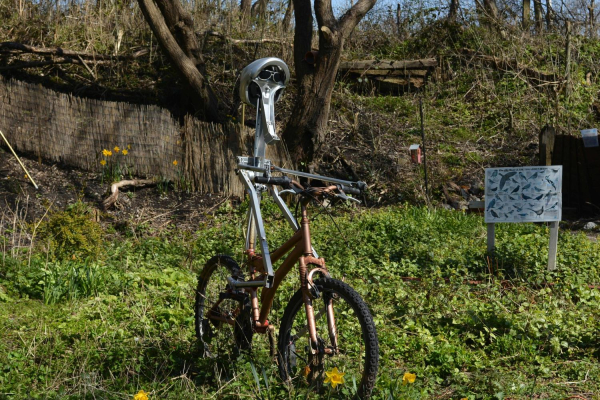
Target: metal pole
(424,150)
(18,159)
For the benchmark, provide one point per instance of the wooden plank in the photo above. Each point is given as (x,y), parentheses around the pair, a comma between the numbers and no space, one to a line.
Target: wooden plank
(574,174)
(399,81)
(390,72)
(388,64)
(567,166)
(582,172)
(546,145)
(592,166)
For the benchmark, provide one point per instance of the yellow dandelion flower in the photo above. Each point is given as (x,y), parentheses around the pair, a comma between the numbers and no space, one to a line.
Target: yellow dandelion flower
(26,176)
(175,162)
(129,146)
(141,395)
(116,149)
(334,377)
(408,378)
(124,152)
(306,371)
(102,162)
(105,152)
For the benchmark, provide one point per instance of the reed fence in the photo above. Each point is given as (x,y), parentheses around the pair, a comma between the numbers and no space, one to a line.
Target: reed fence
(74,131)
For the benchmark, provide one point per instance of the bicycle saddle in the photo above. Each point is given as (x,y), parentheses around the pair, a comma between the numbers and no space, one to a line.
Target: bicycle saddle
(261,84)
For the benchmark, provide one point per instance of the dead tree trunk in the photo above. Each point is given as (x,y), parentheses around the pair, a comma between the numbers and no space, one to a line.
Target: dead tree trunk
(592,19)
(550,14)
(174,29)
(306,127)
(526,17)
(491,9)
(287,18)
(538,15)
(259,9)
(453,12)
(245,7)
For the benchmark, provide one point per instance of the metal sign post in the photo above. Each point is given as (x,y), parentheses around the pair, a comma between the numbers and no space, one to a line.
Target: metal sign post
(524,194)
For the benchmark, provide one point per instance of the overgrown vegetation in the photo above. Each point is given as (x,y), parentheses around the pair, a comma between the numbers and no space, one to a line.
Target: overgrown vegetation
(92,312)
(71,234)
(124,322)
(477,113)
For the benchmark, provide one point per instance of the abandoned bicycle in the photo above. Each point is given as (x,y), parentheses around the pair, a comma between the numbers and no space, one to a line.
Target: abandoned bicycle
(326,334)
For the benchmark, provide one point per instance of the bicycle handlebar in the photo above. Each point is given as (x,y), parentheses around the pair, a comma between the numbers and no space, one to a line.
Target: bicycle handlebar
(273,180)
(349,190)
(287,182)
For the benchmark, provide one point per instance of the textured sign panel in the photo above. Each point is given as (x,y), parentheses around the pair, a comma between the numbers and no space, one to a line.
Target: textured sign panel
(590,137)
(523,194)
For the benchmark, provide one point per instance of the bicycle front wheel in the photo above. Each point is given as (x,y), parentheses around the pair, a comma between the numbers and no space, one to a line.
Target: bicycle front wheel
(356,353)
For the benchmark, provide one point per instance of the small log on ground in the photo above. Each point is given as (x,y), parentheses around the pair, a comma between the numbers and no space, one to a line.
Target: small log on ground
(396,72)
(114,189)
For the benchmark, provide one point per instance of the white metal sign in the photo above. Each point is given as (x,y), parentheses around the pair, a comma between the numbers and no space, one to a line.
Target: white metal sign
(523,194)
(590,137)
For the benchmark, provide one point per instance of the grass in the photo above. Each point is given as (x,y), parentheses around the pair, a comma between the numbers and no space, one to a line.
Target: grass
(110,326)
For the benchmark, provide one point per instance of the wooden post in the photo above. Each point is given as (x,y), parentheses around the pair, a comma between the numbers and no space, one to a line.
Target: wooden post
(547,136)
(553,248)
(491,239)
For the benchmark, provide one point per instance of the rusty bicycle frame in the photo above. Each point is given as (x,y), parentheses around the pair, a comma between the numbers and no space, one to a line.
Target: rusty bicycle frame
(298,247)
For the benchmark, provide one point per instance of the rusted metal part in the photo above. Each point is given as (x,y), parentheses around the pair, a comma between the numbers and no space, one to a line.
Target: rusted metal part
(262,327)
(305,228)
(215,315)
(310,321)
(256,260)
(255,305)
(331,325)
(267,295)
(221,319)
(316,261)
(309,277)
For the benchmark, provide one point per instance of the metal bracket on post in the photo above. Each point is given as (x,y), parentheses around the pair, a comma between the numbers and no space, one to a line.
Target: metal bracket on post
(491,239)
(553,246)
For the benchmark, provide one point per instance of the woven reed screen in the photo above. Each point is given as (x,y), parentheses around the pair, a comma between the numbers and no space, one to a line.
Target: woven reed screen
(74,131)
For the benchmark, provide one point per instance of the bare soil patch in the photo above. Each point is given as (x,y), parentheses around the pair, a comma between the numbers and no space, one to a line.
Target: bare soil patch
(59,186)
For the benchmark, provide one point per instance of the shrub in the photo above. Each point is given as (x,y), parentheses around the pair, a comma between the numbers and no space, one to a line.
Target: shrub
(71,234)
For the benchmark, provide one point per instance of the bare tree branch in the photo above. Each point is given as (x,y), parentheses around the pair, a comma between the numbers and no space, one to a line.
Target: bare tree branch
(18,48)
(353,16)
(205,100)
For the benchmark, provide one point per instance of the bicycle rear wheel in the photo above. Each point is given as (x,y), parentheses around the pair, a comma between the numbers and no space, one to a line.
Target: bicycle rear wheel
(357,351)
(222,315)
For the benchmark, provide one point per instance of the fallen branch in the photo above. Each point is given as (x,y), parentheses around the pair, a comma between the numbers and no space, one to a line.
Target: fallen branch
(64,60)
(19,48)
(245,41)
(114,189)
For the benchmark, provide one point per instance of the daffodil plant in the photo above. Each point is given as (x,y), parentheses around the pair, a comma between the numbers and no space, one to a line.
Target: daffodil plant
(114,165)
